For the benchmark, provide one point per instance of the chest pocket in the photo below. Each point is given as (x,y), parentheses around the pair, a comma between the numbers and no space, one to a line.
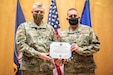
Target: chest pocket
(43,36)
(83,39)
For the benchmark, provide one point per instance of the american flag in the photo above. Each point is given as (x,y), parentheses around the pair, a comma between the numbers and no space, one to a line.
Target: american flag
(53,18)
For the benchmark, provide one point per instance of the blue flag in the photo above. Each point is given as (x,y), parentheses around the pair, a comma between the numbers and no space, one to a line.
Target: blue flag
(85,18)
(19,19)
(53,18)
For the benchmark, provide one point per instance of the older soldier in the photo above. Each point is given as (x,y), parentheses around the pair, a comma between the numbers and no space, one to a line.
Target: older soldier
(85,44)
(32,39)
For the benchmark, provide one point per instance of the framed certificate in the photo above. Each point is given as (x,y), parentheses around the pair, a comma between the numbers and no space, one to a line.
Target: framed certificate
(60,50)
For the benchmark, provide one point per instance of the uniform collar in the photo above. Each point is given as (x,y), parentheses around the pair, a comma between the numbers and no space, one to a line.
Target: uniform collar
(77,30)
(41,26)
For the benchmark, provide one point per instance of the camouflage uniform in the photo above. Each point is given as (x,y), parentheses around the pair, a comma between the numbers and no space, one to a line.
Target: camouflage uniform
(82,62)
(31,40)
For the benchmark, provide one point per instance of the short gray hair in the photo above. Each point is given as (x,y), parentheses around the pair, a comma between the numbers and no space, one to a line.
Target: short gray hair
(37,4)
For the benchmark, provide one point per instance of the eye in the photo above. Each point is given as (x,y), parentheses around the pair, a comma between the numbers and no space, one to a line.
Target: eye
(73,16)
(41,11)
(38,11)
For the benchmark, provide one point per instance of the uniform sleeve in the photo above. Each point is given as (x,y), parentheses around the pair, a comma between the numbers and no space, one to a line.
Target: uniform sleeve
(22,46)
(94,45)
(53,34)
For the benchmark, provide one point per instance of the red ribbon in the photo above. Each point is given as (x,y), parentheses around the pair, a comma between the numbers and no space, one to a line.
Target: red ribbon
(57,68)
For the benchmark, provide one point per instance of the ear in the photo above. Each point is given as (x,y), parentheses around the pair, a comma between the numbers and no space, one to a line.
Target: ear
(78,17)
(66,18)
(31,11)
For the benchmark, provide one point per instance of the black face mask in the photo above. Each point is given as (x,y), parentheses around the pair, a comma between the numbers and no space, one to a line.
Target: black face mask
(73,21)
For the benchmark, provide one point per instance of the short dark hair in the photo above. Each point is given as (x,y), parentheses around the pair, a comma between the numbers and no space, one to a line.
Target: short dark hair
(72,9)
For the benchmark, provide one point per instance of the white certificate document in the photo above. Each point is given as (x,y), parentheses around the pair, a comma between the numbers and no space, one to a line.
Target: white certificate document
(60,50)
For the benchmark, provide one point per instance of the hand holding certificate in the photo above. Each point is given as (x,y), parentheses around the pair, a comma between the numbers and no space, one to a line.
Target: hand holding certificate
(60,50)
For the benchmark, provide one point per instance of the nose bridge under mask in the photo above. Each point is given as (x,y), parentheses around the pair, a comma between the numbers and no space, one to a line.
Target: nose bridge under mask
(39,12)
(73,16)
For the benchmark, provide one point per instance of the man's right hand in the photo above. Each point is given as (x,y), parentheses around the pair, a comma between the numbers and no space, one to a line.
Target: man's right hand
(44,56)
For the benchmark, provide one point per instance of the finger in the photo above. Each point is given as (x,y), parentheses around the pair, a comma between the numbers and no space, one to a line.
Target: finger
(47,54)
(49,58)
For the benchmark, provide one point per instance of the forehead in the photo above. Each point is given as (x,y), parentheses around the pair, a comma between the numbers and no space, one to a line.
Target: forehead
(38,9)
(72,12)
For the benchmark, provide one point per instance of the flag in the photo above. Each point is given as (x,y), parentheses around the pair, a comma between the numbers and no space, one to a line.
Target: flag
(19,19)
(53,20)
(85,18)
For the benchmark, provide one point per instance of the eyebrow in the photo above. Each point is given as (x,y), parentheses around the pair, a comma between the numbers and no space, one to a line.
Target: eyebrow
(73,15)
(38,11)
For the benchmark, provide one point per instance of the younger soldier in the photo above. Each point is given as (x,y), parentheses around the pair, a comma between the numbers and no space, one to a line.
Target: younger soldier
(85,44)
